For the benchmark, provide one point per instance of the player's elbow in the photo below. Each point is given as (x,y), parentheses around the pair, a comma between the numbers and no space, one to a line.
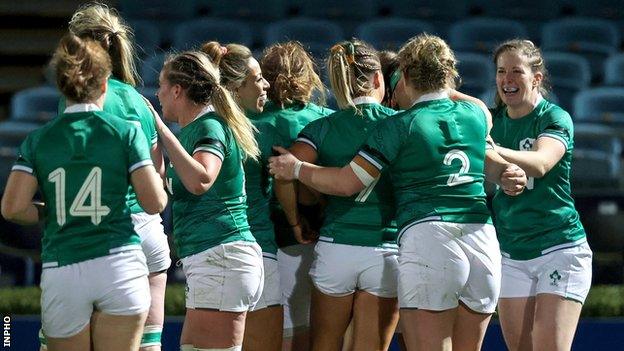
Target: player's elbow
(351,188)
(156,204)
(10,211)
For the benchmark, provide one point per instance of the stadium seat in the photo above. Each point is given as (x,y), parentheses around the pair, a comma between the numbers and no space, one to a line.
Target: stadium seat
(247,10)
(193,33)
(608,9)
(157,9)
(483,34)
(476,72)
(597,150)
(614,70)
(38,104)
(12,133)
(150,69)
(391,33)
(8,155)
(317,35)
(146,36)
(596,39)
(532,13)
(339,10)
(441,13)
(603,104)
(568,74)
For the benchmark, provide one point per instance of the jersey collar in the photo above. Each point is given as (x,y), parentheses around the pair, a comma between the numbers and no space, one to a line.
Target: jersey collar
(365,100)
(442,94)
(205,110)
(88,107)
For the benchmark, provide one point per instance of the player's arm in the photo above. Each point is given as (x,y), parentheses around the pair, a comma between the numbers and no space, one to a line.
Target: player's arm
(148,186)
(511,178)
(158,159)
(538,161)
(328,180)
(17,201)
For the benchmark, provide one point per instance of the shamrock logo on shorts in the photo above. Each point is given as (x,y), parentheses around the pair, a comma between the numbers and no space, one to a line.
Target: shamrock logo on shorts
(556,277)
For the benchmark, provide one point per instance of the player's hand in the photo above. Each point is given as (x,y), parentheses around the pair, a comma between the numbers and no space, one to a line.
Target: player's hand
(303,233)
(513,180)
(157,119)
(282,167)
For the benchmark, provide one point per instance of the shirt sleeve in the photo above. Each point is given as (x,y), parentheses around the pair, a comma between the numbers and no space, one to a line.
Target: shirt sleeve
(211,138)
(25,161)
(313,134)
(556,124)
(382,146)
(139,153)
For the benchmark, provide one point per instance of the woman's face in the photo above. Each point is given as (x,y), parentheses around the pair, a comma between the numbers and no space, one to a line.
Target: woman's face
(166,98)
(252,94)
(517,85)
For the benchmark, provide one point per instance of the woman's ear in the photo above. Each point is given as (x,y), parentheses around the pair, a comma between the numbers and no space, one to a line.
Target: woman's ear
(537,79)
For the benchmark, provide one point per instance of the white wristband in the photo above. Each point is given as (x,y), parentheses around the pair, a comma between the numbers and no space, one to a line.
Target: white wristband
(297,169)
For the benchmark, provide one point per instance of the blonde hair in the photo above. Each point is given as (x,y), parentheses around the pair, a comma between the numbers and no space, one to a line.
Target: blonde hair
(82,67)
(103,24)
(534,58)
(350,65)
(428,63)
(232,60)
(290,70)
(200,79)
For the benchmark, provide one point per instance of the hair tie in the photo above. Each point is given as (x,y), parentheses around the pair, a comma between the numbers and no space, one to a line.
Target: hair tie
(350,56)
(224,50)
(394,79)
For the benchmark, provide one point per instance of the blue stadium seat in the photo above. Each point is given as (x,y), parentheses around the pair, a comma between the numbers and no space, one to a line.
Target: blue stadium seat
(608,9)
(193,33)
(603,104)
(146,36)
(391,33)
(317,35)
(476,72)
(12,133)
(340,10)
(614,70)
(8,155)
(593,38)
(38,104)
(596,156)
(439,12)
(484,34)
(157,9)
(247,10)
(150,69)
(532,13)
(568,74)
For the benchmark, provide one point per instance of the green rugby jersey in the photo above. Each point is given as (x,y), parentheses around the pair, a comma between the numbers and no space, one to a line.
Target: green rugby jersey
(82,161)
(258,186)
(122,100)
(219,215)
(365,219)
(288,121)
(434,154)
(543,217)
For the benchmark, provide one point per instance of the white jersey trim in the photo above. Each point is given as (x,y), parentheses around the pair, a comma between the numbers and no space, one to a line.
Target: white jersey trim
(371,160)
(442,94)
(26,169)
(75,108)
(140,164)
(206,109)
(556,137)
(49,265)
(131,247)
(269,255)
(306,141)
(365,100)
(210,150)
(564,246)
(326,239)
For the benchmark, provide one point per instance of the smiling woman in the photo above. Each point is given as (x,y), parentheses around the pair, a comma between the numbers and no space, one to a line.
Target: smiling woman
(547,270)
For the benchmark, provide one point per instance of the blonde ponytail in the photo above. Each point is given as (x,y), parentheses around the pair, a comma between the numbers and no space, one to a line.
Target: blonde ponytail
(243,130)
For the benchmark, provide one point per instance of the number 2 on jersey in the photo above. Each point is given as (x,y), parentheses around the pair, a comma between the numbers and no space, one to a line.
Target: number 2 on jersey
(91,187)
(459,177)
